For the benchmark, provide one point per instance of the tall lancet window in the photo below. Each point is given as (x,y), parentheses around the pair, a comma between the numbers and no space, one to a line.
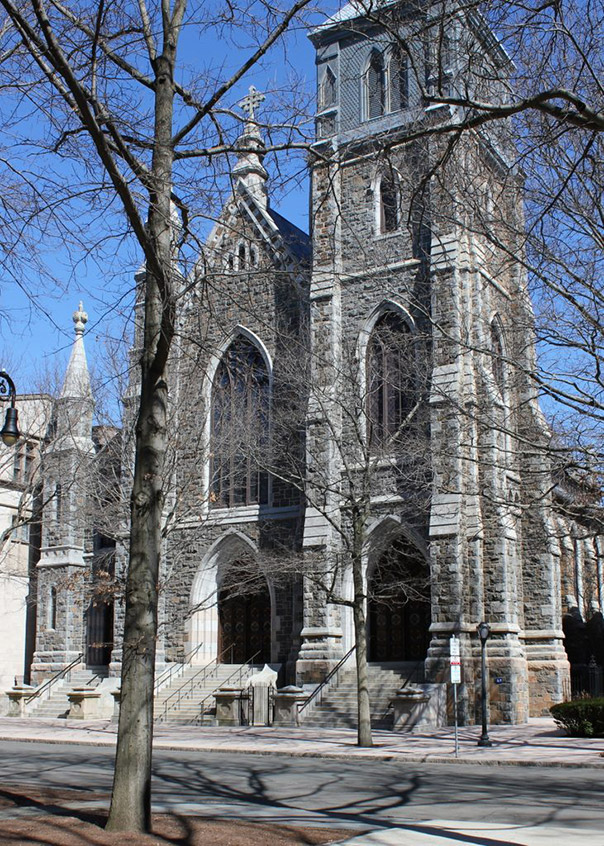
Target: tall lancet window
(389,201)
(497,356)
(240,422)
(327,90)
(398,79)
(375,82)
(390,380)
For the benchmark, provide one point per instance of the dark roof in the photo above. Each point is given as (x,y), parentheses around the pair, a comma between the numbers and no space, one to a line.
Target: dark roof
(296,241)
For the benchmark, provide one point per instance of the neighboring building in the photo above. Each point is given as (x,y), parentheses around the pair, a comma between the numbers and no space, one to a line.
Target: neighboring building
(19,537)
(392,353)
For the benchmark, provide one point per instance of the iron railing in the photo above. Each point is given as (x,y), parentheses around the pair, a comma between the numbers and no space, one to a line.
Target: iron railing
(587,679)
(316,696)
(46,687)
(174,670)
(247,665)
(185,691)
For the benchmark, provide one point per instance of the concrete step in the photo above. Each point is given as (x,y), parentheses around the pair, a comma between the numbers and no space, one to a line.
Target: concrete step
(57,705)
(339,703)
(171,708)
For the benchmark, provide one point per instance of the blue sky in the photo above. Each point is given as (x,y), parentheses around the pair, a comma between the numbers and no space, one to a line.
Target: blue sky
(36,338)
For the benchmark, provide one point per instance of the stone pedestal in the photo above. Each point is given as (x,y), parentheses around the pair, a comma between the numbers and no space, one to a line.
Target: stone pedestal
(263,684)
(17,698)
(117,701)
(228,706)
(286,705)
(409,704)
(83,703)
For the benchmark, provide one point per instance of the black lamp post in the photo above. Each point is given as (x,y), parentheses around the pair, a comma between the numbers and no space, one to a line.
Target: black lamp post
(483,633)
(10,431)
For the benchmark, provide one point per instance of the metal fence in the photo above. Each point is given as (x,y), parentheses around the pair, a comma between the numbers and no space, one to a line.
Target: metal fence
(587,679)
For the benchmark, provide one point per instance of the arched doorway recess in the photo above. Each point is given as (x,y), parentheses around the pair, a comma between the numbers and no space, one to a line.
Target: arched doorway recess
(244,616)
(399,605)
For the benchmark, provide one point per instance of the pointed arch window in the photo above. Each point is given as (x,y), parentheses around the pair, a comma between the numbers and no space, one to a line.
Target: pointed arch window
(240,421)
(375,82)
(388,198)
(327,90)
(390,379)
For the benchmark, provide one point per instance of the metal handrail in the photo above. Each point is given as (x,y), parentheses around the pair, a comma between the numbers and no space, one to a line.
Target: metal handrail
(53,679)
(320,687)
(166,675)
(203,672)
(248,663)
(412,673)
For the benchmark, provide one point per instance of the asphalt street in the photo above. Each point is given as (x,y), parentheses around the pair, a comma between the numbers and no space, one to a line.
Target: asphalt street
(340,793)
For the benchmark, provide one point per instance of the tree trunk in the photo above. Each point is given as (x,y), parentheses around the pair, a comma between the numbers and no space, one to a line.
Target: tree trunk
(131,797)
(360,639)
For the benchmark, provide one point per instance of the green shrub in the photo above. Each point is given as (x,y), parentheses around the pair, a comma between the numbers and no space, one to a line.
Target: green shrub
(581,718)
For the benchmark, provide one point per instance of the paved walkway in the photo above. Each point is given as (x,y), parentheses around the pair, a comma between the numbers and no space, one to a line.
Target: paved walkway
(448,833)
(536,744)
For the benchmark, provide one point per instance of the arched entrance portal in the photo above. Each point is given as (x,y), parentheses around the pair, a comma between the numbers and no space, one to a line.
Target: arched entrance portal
(244,620)
(399,605)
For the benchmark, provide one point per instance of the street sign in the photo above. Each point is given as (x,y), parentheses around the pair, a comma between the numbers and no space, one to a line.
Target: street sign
(455,659)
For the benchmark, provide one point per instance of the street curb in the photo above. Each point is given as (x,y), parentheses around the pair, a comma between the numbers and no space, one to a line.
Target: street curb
(399,757)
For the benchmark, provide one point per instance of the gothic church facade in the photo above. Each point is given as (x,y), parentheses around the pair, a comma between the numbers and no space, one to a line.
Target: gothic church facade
(369,383)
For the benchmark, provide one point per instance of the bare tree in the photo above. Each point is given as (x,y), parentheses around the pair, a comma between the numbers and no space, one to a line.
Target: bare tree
(107,82)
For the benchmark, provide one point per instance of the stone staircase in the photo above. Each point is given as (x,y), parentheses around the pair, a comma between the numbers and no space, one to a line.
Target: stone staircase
(180,702)
(57,704)
(338,707)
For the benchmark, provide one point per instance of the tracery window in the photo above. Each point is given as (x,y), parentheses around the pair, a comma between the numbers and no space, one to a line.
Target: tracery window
(240,420)
(375,80)
(390,379)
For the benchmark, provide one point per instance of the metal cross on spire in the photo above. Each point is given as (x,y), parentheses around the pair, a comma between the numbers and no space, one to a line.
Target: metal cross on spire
(251,102)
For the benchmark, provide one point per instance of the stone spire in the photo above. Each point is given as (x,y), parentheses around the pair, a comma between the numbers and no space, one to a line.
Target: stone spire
(249,168)
(77,377)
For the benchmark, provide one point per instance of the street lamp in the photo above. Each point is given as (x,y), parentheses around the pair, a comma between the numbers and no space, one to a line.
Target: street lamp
(10,431)
(483,633)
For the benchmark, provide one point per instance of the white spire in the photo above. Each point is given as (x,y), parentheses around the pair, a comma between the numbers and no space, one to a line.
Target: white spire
(249,168)
(77,377)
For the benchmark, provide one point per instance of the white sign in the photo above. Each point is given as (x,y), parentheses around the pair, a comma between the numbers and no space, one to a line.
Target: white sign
(455,660)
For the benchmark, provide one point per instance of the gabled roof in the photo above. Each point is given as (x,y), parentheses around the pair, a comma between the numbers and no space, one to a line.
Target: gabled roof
(276,231)
(352,10)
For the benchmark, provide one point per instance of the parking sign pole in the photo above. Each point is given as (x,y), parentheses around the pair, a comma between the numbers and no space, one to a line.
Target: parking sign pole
(455,658)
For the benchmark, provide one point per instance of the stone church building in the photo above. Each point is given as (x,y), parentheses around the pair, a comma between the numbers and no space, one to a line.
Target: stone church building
(364,390)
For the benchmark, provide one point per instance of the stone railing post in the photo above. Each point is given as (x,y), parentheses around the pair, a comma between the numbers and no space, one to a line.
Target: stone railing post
(83,703)
(17,698)
(286,705)
(228,706)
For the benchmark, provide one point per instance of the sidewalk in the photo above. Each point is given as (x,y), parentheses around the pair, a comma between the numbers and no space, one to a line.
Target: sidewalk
(536,744)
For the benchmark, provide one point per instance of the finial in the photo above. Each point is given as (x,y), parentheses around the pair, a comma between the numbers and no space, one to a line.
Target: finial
(80,319)
(251,102)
